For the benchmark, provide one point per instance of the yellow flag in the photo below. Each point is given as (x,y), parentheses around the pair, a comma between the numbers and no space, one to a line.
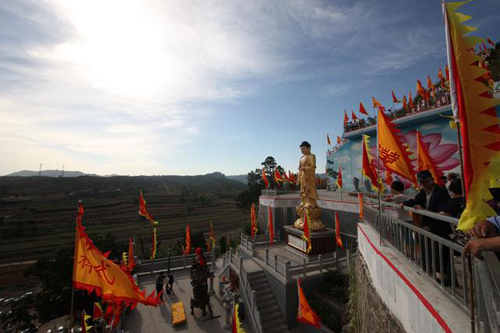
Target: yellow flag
(392,151)
(474,108)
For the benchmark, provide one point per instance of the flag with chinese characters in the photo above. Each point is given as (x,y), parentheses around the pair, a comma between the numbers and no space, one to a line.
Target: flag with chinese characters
(474,108)
(328,139)
(253,220)
(307,232)
(368,169)
(143,211)
(426,162)
(305,314)
(264,178)
(362,109)
(187,248)
(236,327)
(339,177)
(270,225)
(93,272)
(338,238)
(392,151)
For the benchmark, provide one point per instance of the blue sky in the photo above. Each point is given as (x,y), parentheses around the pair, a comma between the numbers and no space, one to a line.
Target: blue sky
(191,87)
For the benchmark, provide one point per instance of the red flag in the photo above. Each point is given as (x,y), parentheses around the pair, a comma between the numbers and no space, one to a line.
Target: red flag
(307,232)
(490,42)
(97,311)
(410,101)
(346,118)
(405,105)
(305,314)
(143,211)
(388,177)
(362,109)
(484,46)
(368,169)
(131,261)
(441,77)
(375,103)
(338,239)
(277,177)
(264,178)
(447,70)
(354,117)
(270,225)
(339,140)
(394,99)
(339,177)
(187,249)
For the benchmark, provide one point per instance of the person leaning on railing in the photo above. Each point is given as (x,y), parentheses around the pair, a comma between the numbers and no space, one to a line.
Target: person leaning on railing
(487,233)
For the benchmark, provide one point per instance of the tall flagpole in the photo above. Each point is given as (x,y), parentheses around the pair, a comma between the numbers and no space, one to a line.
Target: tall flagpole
(454,108)
(379,187)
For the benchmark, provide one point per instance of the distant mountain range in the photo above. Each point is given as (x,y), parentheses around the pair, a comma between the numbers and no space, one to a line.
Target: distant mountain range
(69,174)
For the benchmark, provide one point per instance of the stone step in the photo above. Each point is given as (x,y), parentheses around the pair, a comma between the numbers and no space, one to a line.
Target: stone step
(264,299)
(278,329)
(271,314)
(272,325)
(258,285)
(257,279)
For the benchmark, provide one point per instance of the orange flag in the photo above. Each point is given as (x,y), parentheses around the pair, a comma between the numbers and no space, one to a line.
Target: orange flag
(375,103)
(354,117)
(421,91)
(425,161)
(405,104)
(441,77)
(131,261)
(392,151)
(410,101)
(187,249)
(339,140)
(338,239)
(212,236)
(368,168)
(264,178)
(305,314)
(253,220)
(394,99)
(473,106)
(154,245)
(360,202)
(328,139)
(362,109)
(346,118)
(339,177)
(143,211)
(270,225)
(447,71)
(307,232)
(95,273)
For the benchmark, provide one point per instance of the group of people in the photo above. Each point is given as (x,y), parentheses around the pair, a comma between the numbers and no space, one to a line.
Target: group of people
(161,281)
(445,200)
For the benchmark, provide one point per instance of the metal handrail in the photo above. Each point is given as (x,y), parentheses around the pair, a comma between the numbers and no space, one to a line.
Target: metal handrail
(430,253)
(487,282)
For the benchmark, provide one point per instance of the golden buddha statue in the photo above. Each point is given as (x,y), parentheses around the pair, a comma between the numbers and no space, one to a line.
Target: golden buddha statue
(308,193)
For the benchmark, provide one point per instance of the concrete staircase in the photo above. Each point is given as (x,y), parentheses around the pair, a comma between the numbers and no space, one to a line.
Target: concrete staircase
(270,314)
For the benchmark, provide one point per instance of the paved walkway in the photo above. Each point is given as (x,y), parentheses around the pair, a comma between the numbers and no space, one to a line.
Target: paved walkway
(148,319)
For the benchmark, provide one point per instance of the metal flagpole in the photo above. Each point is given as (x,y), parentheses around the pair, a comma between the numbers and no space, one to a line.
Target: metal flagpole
(379,187)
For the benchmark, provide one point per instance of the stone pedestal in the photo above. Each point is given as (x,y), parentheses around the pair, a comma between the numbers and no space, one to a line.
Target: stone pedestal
(323,242)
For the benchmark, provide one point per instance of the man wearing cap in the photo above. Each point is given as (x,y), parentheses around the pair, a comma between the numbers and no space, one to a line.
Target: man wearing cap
(433,198)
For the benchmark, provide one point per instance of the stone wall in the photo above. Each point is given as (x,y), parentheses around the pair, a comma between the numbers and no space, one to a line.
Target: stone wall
(372,315)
